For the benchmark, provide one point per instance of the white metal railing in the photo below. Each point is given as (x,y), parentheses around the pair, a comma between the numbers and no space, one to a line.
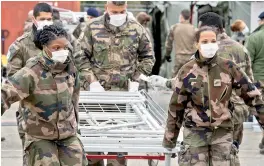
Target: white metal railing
(122,122)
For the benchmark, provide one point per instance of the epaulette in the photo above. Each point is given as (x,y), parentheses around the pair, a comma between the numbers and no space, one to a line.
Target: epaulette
(25,35)
(31,62)
(15,46)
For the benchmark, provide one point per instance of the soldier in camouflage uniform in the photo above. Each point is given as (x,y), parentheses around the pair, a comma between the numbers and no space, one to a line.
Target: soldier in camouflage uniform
(234,51)
(24,48)
(231,50)
(201,103)
(181,35)
(48,89)
(117,49)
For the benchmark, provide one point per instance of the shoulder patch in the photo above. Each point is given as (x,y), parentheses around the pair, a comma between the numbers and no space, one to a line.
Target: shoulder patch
(15,46)
(12,50)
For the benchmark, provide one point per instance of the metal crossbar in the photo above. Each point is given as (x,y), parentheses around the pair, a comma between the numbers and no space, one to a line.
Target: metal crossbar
(121,122)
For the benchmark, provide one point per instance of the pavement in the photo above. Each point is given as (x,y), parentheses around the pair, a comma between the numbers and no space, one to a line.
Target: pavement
(11,149)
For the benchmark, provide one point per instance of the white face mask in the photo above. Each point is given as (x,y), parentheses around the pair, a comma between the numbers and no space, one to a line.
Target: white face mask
(60,56)
(209,50)
(245,30)
(41,24)
(118,19)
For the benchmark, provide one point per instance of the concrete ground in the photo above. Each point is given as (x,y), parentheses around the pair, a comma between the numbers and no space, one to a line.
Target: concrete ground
(11,153)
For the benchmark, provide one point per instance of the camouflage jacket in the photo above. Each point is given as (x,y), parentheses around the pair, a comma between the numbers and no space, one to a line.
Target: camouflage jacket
(49,94)
(20,51)
(115,54)
(202,94)
(234,51)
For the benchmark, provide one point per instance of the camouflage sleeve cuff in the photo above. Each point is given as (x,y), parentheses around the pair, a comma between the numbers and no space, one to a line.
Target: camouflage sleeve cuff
(136,75)
(168,52)
(169,143)
(260,111)
(87,75)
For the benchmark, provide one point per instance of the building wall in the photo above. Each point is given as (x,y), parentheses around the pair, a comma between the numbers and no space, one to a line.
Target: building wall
(14,14)
(256,9)
(240,10)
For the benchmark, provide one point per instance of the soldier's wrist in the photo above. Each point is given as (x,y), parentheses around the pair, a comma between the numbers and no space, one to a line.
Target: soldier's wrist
(168,144)
(136,76)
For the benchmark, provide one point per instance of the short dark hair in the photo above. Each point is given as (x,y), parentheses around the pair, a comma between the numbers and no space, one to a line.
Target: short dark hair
(119,3)
(212,19)
(143,18)
(47,34)
(186,14)
(41,7)
(203,29)
(55,14)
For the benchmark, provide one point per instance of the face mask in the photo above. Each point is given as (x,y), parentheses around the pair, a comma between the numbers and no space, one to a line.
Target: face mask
(117,20)
(245,30)
(209,50)
(41,24)
(60,56)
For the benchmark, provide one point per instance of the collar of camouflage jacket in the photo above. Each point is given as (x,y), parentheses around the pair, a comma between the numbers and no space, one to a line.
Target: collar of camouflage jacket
(209,62)
(222,36)
(55,67)
(111,28)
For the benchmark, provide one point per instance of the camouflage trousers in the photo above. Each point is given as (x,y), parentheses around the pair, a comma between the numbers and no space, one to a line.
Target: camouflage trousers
(180,60)
(67,152)
(100,162)
(240,115)
(208,147)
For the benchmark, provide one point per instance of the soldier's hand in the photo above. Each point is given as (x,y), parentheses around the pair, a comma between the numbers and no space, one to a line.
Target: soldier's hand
(168,58)
(96,87)
(133,86)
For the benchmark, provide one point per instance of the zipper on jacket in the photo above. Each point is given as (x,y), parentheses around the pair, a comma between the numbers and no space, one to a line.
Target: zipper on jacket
(209,98)
(202,90)
(57,108)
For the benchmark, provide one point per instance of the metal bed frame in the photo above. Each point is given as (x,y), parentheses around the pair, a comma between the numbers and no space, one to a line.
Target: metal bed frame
(122,122)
